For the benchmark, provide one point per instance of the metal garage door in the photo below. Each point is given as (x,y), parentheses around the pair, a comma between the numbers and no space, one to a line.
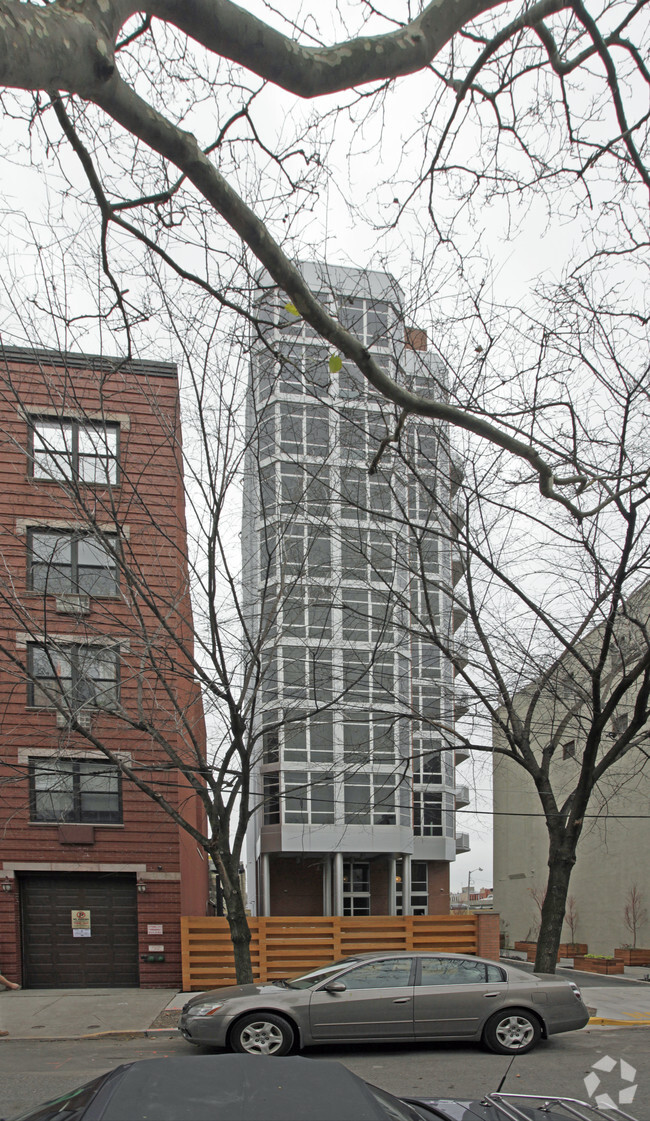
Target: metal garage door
(58,909)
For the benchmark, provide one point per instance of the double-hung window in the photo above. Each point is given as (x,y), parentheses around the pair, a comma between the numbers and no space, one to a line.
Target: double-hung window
(75,790)
(62,561)
(82,675)
(83,451)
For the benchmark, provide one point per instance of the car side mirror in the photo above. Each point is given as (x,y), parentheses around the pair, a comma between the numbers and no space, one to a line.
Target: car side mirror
(334,987)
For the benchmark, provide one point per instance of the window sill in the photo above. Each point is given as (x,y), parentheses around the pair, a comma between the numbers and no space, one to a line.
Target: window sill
(90,824)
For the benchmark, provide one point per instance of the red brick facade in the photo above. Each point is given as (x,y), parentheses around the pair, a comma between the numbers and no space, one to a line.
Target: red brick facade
(148,621)
(297,886)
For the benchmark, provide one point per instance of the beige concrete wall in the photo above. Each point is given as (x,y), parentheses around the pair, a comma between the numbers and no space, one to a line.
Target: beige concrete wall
(613,854)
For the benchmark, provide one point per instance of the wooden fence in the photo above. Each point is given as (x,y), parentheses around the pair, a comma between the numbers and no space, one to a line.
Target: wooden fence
(285,947)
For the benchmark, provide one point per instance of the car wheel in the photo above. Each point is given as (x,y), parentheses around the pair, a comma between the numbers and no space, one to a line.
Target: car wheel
(512,1032)
(262,1034)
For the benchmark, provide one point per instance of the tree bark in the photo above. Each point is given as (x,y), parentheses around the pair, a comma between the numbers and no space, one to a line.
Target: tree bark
(562,857)
(240,934)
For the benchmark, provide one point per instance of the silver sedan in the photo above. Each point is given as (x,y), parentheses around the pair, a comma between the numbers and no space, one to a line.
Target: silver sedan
(389,998)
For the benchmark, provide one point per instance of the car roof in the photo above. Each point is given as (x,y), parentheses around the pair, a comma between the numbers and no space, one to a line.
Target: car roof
(240,1088)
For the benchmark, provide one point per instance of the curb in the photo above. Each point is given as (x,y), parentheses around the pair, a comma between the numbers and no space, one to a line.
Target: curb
(605,1021)
(121,1033)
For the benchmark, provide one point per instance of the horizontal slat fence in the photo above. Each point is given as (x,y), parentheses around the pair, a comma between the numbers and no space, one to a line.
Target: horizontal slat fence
(282,947)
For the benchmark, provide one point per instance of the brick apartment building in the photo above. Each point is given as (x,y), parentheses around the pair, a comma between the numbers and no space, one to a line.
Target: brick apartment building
(95,636)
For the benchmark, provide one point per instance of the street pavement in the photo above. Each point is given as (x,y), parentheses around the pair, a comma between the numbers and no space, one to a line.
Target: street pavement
(83,1013)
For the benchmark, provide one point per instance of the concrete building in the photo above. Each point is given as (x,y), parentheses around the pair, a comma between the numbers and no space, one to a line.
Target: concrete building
(343,570)
(93,875)
(612,851)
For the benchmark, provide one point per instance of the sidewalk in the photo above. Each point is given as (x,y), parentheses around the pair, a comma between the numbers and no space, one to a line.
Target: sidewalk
(78,1013)
(52,1014)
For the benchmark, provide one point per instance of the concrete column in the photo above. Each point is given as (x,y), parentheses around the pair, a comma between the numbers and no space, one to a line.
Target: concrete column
(392,902)
(327,885)
(406,883)
(337,885)
(265,885)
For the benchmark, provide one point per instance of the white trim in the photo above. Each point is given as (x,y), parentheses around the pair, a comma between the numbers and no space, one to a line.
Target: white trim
(27,753)
(33,412)
(10,867)
(23,524)
(23,638)
(70,866)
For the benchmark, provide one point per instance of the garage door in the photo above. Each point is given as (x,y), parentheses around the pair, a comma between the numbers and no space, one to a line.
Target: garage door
(79,930)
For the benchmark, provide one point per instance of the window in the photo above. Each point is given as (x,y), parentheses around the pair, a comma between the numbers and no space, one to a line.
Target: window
(298,486)
(419,887)
(367,555)
(309,798)
(367,738)
(369,799)
(78,790)
(365,317)
(309,741)
(70,449)
(61,562)
(367,679)
(366,616)
(307,673)
(387,974)
(307,552)
(84,675)
(271,799)
(427,762)
(356,887)
(459,971)
(307,613)
(427,814)
(361,493)
(303,369)
(304,430)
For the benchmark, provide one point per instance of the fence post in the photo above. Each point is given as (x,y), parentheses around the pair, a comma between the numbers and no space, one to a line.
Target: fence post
(487,935)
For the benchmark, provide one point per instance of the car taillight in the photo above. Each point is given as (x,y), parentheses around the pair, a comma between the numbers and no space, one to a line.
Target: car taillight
(576,991)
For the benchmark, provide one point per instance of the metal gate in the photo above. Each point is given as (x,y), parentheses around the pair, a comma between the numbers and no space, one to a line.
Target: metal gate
(79,930)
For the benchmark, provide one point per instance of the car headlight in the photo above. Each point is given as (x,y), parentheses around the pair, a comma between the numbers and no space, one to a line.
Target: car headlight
(204,1009)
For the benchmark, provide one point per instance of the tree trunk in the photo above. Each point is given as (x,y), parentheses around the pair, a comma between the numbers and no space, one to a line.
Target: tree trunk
(241,939)
(237,917)
(560,862)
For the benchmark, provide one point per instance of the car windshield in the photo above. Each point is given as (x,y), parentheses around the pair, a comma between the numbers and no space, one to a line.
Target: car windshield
(308,980)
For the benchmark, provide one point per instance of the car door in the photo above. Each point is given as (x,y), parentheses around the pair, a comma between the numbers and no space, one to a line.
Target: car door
(377,1003)
(454,996)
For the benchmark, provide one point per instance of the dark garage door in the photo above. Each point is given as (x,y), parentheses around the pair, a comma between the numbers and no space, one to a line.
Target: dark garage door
(53,958)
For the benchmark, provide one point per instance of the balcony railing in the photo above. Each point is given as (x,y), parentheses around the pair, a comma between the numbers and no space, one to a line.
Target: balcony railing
(462,842)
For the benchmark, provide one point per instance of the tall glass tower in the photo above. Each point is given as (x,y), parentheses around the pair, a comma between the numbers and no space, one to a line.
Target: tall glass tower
(348,577)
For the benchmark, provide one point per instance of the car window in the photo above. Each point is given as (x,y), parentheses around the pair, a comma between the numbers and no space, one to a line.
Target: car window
(495,974)
(456,971)
(308,980)
(389,973)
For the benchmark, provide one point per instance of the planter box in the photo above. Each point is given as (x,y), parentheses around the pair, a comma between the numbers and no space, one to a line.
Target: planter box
(530,950)
(573,949)
(598,965)
(632,957)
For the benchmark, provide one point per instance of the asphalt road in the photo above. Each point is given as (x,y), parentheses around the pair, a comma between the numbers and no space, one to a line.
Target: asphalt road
(31,1072)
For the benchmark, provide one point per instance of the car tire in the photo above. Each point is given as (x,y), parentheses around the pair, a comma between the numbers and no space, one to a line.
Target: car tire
(513,1031)
(262,1034)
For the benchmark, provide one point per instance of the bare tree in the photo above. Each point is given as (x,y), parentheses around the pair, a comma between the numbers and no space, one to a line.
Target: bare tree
(635,914)
(555,656)
(169,116)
